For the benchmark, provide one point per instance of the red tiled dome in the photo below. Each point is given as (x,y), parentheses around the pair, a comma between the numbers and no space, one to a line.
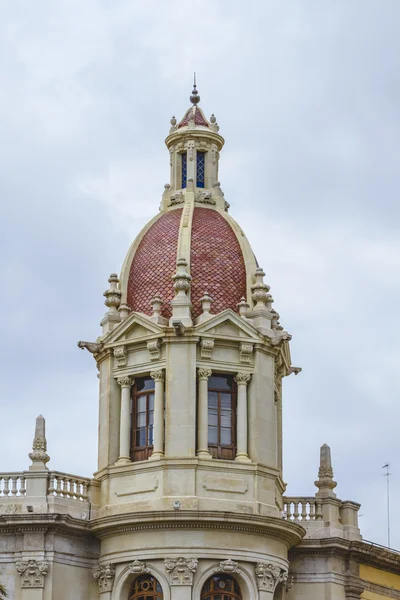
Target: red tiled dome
(216,263)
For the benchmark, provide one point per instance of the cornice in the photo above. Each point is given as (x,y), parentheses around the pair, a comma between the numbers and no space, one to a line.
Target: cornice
(363,552)
(47,523)
(182,136)
(287,532)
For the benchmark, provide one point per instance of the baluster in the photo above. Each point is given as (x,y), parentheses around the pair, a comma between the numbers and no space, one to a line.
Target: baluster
(296,513)
(59,488)
(318,514)
(303,510)
(22,488)
(52,488)
(312,510)
(14,489)
(84,495)
(6,489)
(68,487)
(285,510)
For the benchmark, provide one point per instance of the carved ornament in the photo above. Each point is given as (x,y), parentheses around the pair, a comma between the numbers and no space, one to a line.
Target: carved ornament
(204,198)
(125,381)
(177,198)
(104,575)
(181,570)
(32,573)
(92,347)
(242,378)
(206,347)
(204,373)
(269,575)
(154,349)
(138,567)
(227,566)
(120,356)
(246,351)
(157,375)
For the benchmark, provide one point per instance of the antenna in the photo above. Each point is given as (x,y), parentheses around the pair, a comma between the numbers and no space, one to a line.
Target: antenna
(387,475)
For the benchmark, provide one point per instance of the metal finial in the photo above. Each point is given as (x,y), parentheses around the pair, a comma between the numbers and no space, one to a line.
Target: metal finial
(194,98)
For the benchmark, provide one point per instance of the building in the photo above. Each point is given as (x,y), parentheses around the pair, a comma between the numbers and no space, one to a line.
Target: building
(188,498)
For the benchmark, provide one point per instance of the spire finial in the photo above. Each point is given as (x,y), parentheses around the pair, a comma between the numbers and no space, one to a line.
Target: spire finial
(194,98)
(325,482)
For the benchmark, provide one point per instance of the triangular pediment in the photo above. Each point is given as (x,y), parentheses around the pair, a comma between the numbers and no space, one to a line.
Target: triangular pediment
(134,328)
(228,324)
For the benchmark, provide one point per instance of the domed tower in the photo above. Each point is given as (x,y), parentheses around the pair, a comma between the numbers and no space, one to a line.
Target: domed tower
(191,361)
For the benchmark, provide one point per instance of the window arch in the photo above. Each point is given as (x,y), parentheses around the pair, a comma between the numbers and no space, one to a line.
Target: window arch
(221,587)
(145,587)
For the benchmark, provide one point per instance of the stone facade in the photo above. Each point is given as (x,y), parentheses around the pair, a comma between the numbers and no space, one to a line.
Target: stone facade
(186,492)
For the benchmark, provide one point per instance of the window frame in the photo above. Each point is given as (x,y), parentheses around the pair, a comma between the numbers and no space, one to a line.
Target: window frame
(223,451)
(142,452)
(184,170)
(201,184)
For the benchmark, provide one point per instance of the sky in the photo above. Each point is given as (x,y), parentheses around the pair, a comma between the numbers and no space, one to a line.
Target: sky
(307,96)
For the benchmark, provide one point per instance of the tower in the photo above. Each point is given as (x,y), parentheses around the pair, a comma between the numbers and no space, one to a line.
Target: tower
(191,362)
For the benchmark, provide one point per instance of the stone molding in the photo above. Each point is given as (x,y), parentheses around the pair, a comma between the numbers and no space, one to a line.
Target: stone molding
(32,573)
(204,374)
(125,381)
(206,347)
(227,566)
(181,570)
(269,576)
(104,575)
(138,567)
(158,375)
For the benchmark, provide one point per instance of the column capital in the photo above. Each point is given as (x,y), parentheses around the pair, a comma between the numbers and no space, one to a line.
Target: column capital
(204,373)
(269,575)
(125,381)
(104,575)
(242,378)
(158,375)
(32,573)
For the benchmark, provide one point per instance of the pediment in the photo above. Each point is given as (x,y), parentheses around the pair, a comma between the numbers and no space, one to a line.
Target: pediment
(134,328)
(229,325)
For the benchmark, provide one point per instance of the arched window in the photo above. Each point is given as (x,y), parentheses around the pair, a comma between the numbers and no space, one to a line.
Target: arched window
(142,430)
(222,416)
(221,587)
(145,587)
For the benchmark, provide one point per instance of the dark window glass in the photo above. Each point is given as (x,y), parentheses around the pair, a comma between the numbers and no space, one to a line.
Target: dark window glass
(145,587)
(222,416)
(184,169)
(200,168)
(142,437)
(221,587)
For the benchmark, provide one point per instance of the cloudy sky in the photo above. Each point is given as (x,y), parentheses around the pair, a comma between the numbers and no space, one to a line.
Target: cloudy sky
(307,96)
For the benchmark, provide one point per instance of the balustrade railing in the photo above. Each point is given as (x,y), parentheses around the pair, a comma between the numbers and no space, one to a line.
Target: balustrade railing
(64,485)
(302,509)
(12,485)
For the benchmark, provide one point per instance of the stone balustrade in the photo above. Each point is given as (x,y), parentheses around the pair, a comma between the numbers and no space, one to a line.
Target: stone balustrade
(64,485)
(302,509)
(12,485)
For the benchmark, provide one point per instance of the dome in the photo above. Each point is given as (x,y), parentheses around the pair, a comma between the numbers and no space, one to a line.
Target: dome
(193,226)
(216,261)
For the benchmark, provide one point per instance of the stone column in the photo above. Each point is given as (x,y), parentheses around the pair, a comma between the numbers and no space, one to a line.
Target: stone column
(202,414)
(125,419)
(242,379)
(158,444)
